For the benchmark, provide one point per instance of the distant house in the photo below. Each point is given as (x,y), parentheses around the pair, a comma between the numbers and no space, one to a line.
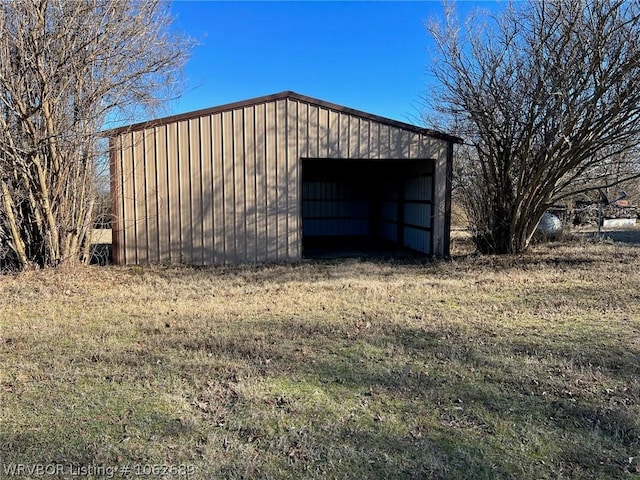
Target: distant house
(253,181)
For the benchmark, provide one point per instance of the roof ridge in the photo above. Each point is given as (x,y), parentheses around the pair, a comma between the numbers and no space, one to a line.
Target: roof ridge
(275,97)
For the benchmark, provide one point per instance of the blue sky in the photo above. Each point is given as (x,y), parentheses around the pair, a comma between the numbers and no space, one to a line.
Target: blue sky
(372,56)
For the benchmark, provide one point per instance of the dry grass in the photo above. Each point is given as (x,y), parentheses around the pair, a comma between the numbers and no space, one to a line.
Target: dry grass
(481,367)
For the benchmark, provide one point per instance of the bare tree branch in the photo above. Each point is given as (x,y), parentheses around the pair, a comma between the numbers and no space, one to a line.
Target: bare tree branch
(546,93)
(69,68)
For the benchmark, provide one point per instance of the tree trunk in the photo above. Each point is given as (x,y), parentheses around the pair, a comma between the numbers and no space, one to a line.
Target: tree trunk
(18,243)
(67,69)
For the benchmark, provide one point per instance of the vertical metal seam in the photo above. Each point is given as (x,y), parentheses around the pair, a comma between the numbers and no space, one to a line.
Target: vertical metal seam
(254,183)
(233,189)
(223,193)
(118,201)
(446,236)
(433,210)
(369,139)
(327,152)
(145,192)
(318,131)
(244,182)
(201,182)
(307,132)
(298,190)
(212,176)
(277,179)
(190,183)
(348,149)
(165,145)
(339,134)
(286,173)
(116,197)
(155,194)
(133,199)
(358,132)
(265,181)
(179,202)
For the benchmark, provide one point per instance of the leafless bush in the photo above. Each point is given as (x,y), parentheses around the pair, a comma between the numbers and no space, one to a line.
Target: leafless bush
(68,69)
(545,93)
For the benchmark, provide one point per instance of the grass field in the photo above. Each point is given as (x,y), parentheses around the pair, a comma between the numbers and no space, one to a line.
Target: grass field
(522,367)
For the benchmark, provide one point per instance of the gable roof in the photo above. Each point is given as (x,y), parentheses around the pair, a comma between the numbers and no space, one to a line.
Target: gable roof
(282,96)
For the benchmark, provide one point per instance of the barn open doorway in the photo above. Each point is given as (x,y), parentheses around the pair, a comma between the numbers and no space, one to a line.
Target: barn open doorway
(361,207)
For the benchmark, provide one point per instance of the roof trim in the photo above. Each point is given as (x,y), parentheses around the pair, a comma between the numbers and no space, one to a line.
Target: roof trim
(274,97)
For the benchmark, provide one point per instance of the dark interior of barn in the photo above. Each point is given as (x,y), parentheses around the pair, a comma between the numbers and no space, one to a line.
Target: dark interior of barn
(366,207)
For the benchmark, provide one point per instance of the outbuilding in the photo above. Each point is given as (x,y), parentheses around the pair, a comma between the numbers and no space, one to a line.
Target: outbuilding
(260,180)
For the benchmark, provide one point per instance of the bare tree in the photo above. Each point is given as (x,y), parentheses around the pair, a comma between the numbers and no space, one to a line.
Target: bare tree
(546,95)
(68,68)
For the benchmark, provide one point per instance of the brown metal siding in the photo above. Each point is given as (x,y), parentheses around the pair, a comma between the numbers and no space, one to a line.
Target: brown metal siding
(164,233)
(224,187)
(269,134)
(128,224)
(249,153)
(335,208)
(282,191)
(172,194)
(238,165)
(293,182)
(207,190)
(262,183)
(417,211)
(115,164)
(151,189)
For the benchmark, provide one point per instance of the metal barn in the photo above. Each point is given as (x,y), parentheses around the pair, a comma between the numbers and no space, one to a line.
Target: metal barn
(256,180)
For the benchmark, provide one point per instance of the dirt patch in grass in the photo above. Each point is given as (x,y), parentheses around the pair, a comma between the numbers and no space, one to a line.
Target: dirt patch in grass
(480,367)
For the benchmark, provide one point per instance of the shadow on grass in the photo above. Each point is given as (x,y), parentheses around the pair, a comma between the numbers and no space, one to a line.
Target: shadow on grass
(410,403)
(501,263)
(592,434)
(89,430)
(360,267)
(314,400)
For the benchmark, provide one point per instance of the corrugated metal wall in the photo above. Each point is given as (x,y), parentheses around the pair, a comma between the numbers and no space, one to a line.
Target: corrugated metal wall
(224,187)
(334,208)
(416,211)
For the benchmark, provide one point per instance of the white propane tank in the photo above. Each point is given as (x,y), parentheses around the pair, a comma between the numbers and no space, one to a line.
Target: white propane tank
(550,225)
